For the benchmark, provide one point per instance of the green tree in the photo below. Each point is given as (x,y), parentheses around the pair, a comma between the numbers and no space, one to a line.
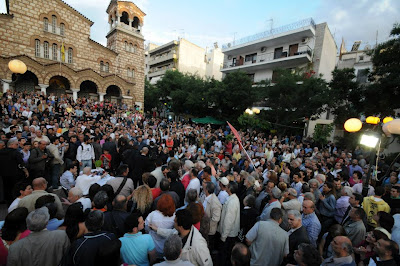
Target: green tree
(345,95)
(233,95)
(151,96)
(322,133)
(382,96)
(253,121)
(293,98)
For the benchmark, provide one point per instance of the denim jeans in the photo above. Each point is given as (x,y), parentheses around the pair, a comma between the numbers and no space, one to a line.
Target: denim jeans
(86,163)
(55,175)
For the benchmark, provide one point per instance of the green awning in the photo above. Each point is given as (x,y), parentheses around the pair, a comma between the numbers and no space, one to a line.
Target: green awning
(207,120)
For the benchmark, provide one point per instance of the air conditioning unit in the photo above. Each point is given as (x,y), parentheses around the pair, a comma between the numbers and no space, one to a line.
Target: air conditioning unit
(263,49)
(229,57)
(304,40)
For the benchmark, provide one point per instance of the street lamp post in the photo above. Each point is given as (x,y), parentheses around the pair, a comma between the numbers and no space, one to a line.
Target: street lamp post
(18,68)
(371,138)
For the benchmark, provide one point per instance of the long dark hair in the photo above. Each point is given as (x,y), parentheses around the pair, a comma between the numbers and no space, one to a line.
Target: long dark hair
(14,224)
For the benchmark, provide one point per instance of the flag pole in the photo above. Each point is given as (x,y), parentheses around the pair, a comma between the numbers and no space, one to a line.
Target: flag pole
(236,134)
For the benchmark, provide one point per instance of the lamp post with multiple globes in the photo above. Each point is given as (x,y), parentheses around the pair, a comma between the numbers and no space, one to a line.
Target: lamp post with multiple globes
(370,138)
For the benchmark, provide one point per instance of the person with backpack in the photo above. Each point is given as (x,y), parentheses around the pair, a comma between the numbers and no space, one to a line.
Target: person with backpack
(85,154)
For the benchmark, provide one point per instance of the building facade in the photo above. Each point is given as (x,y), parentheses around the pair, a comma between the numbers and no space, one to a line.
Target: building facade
(292,46)
(53,40)
(185,57)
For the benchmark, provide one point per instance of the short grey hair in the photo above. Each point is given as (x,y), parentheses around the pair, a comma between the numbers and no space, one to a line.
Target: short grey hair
(191,195)
(251,180)
(313,181)
(87,170)
(76,192)
(11,142)
(322,177)
(295,213)
(276,192)
(94,221)
(348,191)
(210,187)
(348,247)
(38,219)
(292,192)
(309,196)
(172,247)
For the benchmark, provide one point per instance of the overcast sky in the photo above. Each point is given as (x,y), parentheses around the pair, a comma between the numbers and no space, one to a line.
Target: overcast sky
(205,22)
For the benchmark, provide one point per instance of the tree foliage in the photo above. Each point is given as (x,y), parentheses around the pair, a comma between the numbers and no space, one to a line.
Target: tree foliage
(151,96)
(322,133)
(345,95)
(293,98)
(381,97)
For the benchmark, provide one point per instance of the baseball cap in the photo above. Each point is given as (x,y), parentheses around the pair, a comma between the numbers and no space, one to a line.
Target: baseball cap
(224,181)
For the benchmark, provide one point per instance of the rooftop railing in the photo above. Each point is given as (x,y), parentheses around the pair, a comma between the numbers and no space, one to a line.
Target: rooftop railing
(294,26)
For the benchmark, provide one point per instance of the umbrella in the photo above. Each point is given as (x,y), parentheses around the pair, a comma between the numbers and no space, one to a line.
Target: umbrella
(207,120)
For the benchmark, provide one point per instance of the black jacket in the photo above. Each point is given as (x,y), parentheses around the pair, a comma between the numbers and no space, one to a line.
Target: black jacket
(295,239)
(9,160)
(114,222)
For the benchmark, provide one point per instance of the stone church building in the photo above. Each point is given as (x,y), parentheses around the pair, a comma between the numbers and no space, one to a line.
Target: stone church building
(36,32)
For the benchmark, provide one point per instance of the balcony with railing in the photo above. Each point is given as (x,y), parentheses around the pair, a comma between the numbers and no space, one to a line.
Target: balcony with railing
(162,58)
(275,59)
(302,26)
(158,71)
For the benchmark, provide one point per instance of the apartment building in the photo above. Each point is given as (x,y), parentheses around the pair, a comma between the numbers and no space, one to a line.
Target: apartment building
(185,57)
(290,46)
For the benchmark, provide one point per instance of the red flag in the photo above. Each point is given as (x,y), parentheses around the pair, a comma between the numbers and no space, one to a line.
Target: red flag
(234,132)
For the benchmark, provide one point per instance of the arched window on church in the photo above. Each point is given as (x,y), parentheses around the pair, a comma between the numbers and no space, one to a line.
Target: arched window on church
(101,66)
(128,72)
(46,50)
(107,67)
(70,51)
(126,46)
(130,47)
(37,48)
(53,23)
(46,24)
(55,52)
(62,29)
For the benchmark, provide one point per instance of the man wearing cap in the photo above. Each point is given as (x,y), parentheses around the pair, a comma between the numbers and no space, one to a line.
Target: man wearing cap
(223,195)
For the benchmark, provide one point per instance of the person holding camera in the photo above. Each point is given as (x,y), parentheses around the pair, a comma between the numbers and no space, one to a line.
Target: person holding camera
(39,159)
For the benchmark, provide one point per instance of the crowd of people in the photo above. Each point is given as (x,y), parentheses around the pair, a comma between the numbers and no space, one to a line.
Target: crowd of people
(99,183)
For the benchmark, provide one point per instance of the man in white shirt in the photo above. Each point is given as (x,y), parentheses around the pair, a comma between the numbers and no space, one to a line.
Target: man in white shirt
(157,173)
(194,181)
(85,154)
(83,182)
(223,195)
(76,195)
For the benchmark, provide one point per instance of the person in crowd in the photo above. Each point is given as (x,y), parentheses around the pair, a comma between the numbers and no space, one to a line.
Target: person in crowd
(325,244)
(85,154)
(39,189)
(223,194)
(74,221)
(121,184)
(310,221)
(248,217)
(176,186)
(165,189)
(394,201)
(229,224)
(342,204)
(326,206)
(85,250)
(39,160)
(67,179)
(29,250)
(142,201)
(162,217)
(56,162)
(212,209)
(307,255)
(269,243)
(194,182)
(355,200)
(195,247)
(355,229)
(14,229)
(114,219)
(137,248)
(293,203)
(373,204)
(240,255)
(172,252)
(100,201)
(21,189)
(387,253)
(264,195)
(157,173)
(297,234)
(274,202)
(84,181)
(342,252)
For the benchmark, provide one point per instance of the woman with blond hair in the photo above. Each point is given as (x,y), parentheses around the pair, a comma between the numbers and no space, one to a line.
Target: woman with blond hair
(142,199)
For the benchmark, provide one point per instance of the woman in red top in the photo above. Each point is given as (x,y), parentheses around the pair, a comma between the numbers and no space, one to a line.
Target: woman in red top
(170,143)
(13,230)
